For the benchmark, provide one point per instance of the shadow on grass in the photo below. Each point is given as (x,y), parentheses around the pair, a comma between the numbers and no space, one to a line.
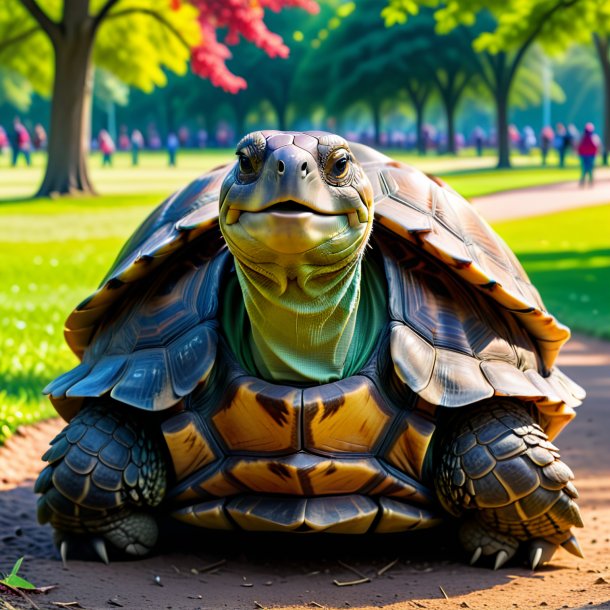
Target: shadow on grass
(527,257)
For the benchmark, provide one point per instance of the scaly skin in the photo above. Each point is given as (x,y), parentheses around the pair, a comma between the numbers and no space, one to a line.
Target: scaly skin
(502,476)
(297,218)
(105,473)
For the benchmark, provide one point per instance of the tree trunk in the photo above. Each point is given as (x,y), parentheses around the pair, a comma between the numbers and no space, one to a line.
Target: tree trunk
(282,120)
(66,171)
(450,115)
(376,112)
(502,128)
(606,113)
(601,45)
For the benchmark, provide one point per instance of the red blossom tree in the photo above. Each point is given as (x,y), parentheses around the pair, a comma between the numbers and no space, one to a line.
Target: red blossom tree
(242,19)
(144,36)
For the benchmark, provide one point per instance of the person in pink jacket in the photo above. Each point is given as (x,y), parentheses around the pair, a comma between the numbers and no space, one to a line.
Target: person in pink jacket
(587,149)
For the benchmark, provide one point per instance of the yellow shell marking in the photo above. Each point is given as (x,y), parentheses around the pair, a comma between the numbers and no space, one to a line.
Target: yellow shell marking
(189,449)
(409,450)
(260,417)
(344,417)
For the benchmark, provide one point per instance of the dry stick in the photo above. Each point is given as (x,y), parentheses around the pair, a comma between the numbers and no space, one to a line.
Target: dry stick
(212,566)
(443,592)
(27,599)
(315,604)
(349,583)
(356,571)
(390,565)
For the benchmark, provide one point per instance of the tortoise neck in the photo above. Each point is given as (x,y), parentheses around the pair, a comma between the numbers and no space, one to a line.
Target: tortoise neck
(302,337)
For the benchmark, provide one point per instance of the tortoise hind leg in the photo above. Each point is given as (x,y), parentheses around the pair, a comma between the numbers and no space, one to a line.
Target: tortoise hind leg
(499,472)
(105,473)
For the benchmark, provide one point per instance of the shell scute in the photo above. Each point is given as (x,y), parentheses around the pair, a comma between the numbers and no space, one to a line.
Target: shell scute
(259,417)
(349,416)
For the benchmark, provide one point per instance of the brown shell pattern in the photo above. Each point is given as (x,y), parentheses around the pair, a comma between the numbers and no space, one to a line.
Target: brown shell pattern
(148,335)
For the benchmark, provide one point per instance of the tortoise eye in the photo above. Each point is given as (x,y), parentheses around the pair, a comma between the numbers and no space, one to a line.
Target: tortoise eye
(245,165)
(338,167)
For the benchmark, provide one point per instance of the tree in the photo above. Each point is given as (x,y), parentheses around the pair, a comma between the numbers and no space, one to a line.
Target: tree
(509,29)
(135,40)
(559,24)
(367,63)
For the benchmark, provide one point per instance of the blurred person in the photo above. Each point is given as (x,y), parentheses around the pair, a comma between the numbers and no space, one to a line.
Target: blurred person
(20,142)
(184,137)
(560,143)
(547,135)
(106,147)
(40,137)
(478,138)
(3,140)
(124,142)
(460,141)
(514,136)
(572,136)
(528,140)
(172,148)
(588,148)
(137,144)
(202,138)
(152,135)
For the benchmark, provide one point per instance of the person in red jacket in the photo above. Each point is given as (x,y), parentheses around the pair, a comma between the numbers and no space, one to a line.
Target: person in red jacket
(587,149)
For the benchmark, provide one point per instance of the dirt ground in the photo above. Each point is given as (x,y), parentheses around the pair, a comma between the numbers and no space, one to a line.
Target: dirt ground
(250,572)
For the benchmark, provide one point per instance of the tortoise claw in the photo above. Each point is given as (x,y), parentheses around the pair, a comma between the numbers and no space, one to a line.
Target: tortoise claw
(571,546)
(541,551)
(535,556)
(501,559)
(99,546)
(476,555)
(63,551)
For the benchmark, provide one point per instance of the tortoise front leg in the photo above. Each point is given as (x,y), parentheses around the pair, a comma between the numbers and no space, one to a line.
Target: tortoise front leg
(105,473)
(499,472)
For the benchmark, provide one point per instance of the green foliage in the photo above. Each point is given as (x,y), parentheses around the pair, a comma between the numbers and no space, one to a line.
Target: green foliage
(14,581)
(15,90)
(554,23)
(137,42)
(107,88)
(25,50)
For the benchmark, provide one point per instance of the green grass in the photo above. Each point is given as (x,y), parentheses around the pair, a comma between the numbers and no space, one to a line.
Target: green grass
(567,256)
(476,183)
(53,255)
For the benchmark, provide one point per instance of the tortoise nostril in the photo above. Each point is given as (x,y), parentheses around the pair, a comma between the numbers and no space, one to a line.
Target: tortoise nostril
(280,167)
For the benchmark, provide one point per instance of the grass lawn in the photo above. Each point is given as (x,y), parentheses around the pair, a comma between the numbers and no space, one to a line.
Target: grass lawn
(54,253)
(567,256)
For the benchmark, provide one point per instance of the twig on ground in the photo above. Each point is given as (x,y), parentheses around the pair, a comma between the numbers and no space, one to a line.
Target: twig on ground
(390,565)
(349,583)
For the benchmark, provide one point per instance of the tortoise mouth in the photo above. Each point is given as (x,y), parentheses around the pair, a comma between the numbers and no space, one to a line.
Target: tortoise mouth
(290,206)
(292,209)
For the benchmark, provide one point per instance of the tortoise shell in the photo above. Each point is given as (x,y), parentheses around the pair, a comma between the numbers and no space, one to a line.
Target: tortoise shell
(465,325)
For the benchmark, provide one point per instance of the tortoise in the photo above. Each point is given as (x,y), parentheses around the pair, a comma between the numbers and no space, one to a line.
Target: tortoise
(315,338)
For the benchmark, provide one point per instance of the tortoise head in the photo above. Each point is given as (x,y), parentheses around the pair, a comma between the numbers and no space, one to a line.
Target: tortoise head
(293,202)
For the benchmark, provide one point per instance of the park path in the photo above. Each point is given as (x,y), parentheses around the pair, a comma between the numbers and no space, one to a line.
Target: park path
(541,200)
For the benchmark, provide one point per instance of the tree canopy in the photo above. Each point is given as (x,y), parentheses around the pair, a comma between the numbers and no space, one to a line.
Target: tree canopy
(55,46)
